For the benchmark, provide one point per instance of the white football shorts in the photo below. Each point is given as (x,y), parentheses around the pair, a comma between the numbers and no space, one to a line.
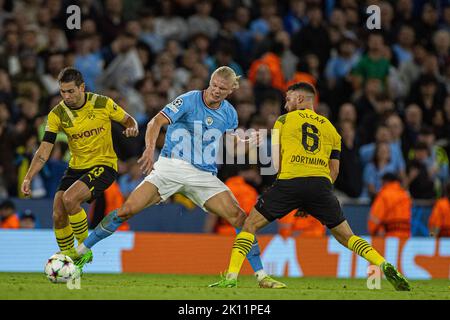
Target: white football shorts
(174,175)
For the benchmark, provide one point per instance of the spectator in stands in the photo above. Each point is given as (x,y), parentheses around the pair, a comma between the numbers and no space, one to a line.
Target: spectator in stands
(365,103)
(148,34)
(112,21)
(28,71)
(313,38)
(437,163)
(339,66)
(9,53)
(270,110)
(428,23)
(244,93)
(201,21)
(410,70)
(27,220)
(30,38)
(130,180)
(300,224)
(395,126)
(303,74)
(90,63)
(54,64)
(427,97)
(8,143)
(441,44)
(419,179)
(271,60)
(347,113)
(372,119)
(223,57)
(260,27)
(57,40)
(295,17)
(288,59)
(383,135)
(6,92)
(446,131)
(387,21)
(404,12)
(413,125)
(245,111)
(8,216)
(168,25)
(390,213)
(439,221)
(403,49)
(376,169)
(372,64)
(262,85)
(349,180)
(126,68)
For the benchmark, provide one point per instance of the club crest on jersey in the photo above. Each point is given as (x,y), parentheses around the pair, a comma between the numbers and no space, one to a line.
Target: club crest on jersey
(91,115)
(175,105)
(209,121)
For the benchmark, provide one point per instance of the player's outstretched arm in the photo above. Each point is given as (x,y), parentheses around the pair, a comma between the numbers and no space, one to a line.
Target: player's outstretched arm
(131,126)
(40,158)
(151,134)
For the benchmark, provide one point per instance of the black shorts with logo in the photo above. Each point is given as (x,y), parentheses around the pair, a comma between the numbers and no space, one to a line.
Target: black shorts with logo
(97,178)
(314,195)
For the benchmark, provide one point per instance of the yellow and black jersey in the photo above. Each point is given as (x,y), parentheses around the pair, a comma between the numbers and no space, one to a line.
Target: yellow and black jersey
(307,142)
(88,129)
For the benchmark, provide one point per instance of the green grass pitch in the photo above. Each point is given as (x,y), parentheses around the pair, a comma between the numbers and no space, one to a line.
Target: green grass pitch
(192,287)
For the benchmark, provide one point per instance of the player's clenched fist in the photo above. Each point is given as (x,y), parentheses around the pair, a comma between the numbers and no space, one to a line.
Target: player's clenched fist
(131,132)
(26,190)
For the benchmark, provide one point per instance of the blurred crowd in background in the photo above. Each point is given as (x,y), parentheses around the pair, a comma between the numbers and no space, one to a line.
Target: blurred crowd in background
(386,90)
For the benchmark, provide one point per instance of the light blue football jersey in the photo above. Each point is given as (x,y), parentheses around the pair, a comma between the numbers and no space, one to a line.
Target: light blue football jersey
(195,130)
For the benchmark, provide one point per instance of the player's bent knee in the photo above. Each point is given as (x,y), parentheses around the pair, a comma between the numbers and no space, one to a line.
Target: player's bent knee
(236,218)
(70,202)
(249,226)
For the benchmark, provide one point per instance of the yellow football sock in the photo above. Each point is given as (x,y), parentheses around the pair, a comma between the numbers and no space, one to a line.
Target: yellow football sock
(365,250)
(79,225)
(241,247)
(64,237)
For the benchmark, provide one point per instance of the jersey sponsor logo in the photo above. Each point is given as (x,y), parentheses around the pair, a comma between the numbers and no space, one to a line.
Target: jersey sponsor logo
(87,133)
(175,105)
(308,160)
(209,121)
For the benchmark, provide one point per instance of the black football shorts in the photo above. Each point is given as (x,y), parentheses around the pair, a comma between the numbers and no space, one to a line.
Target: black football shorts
(97,178)
(314,195)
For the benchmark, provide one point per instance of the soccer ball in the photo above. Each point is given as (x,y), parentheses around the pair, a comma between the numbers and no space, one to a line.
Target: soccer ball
(59,268)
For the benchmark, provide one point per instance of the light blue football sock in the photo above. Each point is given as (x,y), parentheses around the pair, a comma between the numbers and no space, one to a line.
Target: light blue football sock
(254,255)
(104,229)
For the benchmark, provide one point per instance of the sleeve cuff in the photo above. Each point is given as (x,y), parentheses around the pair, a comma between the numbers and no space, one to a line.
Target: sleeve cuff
(49,137)
(335,154)
(165,115)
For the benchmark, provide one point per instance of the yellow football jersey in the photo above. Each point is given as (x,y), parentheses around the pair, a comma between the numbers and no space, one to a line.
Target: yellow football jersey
(307,142)
(88,130)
